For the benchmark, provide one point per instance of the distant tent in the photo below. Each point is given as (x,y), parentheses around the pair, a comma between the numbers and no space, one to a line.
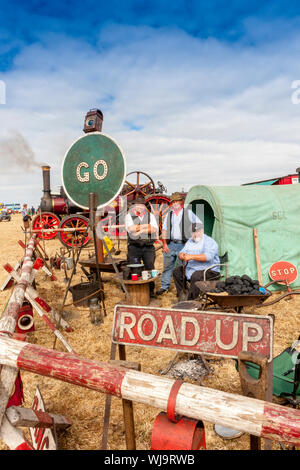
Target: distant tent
(232,212)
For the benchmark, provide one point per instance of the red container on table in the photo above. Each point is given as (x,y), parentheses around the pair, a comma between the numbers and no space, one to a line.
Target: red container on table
(134,277)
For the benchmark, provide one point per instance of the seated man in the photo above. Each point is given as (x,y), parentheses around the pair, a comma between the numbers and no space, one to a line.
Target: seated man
(199,252)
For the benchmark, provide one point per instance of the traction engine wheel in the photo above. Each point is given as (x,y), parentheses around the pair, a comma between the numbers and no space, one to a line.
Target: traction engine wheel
(141,183)
(46,221)
(158,205)
(79,236)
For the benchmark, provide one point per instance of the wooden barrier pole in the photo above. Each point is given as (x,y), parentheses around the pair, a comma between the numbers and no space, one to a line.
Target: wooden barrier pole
(10,314)
(32,296)
(260,418)
(8,323)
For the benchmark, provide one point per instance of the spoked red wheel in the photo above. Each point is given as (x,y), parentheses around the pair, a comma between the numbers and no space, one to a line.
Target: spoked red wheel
(46,221)
(77,235)
(140,184)
(158,205)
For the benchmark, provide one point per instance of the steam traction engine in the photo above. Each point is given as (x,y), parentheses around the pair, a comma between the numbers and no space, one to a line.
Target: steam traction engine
(57,214)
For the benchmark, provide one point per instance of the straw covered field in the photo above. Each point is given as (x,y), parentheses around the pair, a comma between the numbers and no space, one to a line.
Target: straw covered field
(85,408)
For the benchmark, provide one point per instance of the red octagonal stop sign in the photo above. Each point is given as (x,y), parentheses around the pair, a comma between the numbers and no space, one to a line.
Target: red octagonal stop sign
(283,271)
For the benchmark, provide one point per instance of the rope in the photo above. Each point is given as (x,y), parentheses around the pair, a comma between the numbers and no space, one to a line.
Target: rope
(84,298)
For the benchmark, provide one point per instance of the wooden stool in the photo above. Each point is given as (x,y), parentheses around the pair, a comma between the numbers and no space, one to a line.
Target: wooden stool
(139,291)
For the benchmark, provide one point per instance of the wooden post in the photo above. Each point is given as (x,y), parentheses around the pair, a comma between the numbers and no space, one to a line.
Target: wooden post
(27,417)
(257,417)
(257,256)
(94,219)
(128,416)
(257,388)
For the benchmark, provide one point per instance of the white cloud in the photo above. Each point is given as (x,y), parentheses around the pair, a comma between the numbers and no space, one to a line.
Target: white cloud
(209,112)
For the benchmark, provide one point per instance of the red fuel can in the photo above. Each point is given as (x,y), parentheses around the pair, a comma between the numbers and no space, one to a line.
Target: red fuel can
(185,434)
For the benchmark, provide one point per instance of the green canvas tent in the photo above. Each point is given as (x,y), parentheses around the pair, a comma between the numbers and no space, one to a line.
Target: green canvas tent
(232,212)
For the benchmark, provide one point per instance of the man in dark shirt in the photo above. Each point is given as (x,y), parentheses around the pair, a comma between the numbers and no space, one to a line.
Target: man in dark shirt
(142,230)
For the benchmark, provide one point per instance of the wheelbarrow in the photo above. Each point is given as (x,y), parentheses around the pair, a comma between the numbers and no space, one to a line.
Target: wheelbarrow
(211,300)
(236,302)
(227,302)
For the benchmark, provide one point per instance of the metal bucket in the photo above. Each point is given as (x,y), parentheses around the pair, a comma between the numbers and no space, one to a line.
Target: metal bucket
(82,290)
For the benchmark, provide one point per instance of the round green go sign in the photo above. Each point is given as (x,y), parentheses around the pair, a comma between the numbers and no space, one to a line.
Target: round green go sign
(93,164)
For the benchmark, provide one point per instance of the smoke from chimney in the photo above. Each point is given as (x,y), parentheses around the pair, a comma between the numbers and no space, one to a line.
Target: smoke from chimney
(16,154)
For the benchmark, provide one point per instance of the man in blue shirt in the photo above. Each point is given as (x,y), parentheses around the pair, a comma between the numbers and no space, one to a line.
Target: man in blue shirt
(176,230)
(199,253)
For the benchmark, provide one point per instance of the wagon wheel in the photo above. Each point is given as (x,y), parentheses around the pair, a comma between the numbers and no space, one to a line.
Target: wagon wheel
(75,238)
(46,221)
(143,185)
(158,205)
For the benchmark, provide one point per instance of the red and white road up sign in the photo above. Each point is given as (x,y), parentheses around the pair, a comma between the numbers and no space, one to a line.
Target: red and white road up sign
(212,333)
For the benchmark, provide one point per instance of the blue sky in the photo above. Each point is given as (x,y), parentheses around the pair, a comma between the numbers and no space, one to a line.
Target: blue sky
(194,92)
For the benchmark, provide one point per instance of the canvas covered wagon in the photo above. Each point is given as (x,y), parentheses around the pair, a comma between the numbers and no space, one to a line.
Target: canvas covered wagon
(232,212)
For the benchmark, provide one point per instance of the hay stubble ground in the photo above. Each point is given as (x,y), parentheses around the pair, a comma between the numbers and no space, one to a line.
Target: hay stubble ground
(85,407)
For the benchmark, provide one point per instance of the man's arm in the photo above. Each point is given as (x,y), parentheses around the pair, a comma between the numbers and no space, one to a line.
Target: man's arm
(148,228)
(130,226)
(211,249)
(164,235)
(185,257)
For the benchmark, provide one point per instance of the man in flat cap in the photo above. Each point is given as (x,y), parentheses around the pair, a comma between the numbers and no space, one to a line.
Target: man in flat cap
(176,230)
(142,230)
(199,253)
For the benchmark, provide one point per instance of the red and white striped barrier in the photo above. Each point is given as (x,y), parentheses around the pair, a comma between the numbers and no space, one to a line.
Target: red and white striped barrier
(8,323)
(11,312)
(37,302)
(9,280)
(44,266)
(32,294)
(256,417)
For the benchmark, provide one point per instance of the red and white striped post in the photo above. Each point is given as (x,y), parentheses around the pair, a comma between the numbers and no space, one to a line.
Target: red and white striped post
(256,417)
(8,323)
(11,312)
(32,296)
(44,266)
